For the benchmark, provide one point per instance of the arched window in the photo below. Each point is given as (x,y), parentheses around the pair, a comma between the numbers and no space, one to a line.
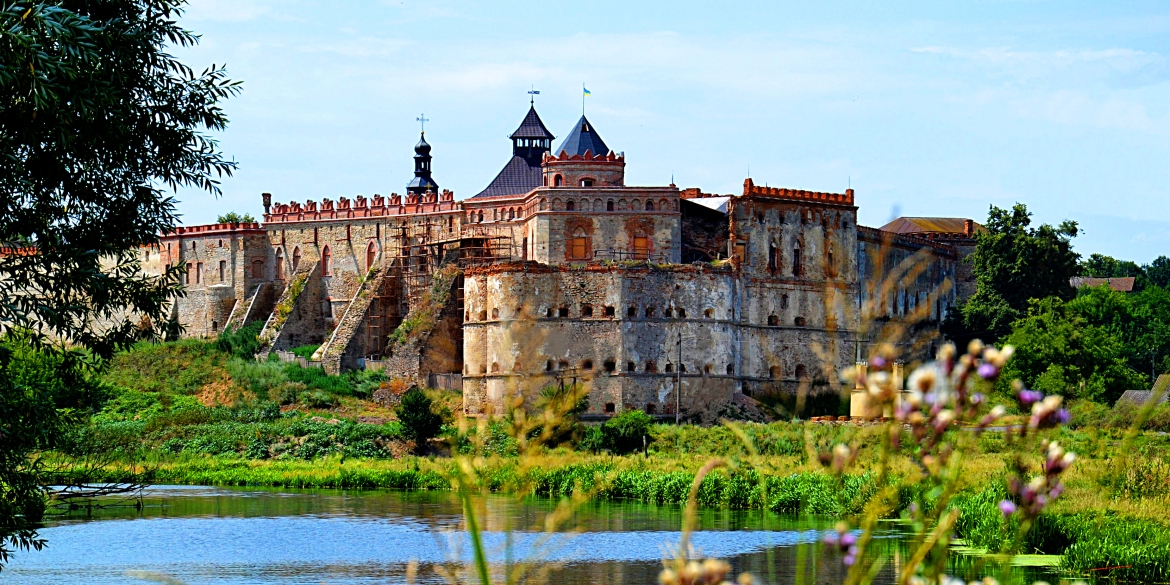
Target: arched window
(371,256)
(801,372)
(480,216)
(326,262)
(558,181)
(797,264)
(650,409)
(512,213)
(570,205)
(649,205)
(641,245)
(517,367)
(257,269)
(578,245)
(800,322)
(587,365)
(773,320)
(496,313)
(609,205)
(495,367)
(663,205)
(774,372)
(651,368)
(296,258)
(279,264)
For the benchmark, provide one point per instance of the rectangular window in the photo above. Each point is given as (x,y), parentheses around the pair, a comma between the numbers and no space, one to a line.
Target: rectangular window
(797,263)
(187,275)
(773,258)
(222,270)
(579,248)
(198,273)
(741,252)
(641,247)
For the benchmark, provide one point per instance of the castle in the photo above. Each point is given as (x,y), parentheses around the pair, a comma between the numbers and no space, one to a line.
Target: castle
(657,298)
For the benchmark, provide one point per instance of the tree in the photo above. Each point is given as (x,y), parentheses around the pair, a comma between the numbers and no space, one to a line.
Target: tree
(97,123)
(1013,264)
(1158,272)
(1102,266)
(419,421)
(1059,351)
(233,217)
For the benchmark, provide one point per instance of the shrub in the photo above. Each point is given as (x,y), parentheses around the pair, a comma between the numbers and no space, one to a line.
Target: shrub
(243,342)
(624,433)
(419,423)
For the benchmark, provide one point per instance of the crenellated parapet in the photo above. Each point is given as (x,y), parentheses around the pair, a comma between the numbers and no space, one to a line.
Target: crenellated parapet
(751,189)
(361,207)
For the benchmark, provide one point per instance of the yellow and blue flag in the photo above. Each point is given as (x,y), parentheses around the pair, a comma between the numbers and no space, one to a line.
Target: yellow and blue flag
(585,90)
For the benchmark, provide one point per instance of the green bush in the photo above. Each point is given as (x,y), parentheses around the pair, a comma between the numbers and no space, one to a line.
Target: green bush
(419,422)
(243,342)
(624,433)
(306,351)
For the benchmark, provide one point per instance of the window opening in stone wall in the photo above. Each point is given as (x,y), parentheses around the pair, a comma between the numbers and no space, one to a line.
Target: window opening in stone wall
(708,313)
(222,270)
(279,264)
(258,269)
(371,255)
(483,369)
(570,205)
(328,308)
(801,372)
(783,301)
(586,182)
(667,312)
(192,246)
(609,205)
(495,367)
(707,369)
(650,409)
(558,181)
(651,368)
(587,365)
(187,274)
(641,246)
(632,312)
(680,313)
(668,368)
(467,316)
(649,205)
(609,407)
(610,365)
(348,232)
(483,315)
(797,262)
(296,258)
(587,311)
(682,368)
(831,265)
(221,243)
(609,312)
(517,367)
(579,245)
(773,320)
(326,262)
(315,235)
(551,313)
(800,322)
(773,258)
(774,372)
(730,369)
(631,367)
(649,312)
(214,326)
(562,365)
(548,366)
(563,312)
(199,272)
(496,313)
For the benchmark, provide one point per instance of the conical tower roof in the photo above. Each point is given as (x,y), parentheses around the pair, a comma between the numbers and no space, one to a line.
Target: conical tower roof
(582,138)
(532,127)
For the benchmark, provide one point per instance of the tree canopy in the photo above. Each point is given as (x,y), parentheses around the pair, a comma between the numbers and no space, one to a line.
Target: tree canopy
(233,217)
(97,123)
(1013,264)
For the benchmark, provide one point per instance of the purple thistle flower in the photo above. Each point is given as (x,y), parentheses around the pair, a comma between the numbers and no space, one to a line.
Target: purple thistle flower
(848,560)
(1063,416)
(1007,507)
(1030,397)
(988,371)
(848,539)
(878,362)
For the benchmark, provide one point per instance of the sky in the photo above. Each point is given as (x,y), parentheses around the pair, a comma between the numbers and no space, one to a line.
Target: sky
(926,109)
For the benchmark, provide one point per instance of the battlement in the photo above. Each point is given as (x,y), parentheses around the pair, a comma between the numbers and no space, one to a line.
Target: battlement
(564,157)
(360,207)
(213,228)
(751,189)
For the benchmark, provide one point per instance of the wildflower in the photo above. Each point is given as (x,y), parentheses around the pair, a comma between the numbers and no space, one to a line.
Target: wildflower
(988,371)
(1029,397)
(1007,507)
(922,380)
(975,347)
(841,457)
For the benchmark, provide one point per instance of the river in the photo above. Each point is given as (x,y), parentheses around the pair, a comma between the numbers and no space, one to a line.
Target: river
(235,536)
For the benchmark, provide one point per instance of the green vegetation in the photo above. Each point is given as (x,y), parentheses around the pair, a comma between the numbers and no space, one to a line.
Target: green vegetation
(233,217)
(419,422)
(422,318)
(625,433)
(99,121)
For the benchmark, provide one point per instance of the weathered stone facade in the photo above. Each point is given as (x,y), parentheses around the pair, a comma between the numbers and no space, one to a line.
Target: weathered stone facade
(658,299)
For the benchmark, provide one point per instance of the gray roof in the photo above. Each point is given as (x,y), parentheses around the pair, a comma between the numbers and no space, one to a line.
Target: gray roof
(1140,397)
(517,177)
(532,127)
(582,138)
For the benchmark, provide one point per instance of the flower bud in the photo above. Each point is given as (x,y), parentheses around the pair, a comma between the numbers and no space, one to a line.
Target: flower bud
(1007,507)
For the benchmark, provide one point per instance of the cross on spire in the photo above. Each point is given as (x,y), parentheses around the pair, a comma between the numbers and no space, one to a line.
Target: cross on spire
(422,121)
(532,93)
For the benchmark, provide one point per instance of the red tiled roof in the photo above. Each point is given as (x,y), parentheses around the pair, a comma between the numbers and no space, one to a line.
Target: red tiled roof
(1119,284)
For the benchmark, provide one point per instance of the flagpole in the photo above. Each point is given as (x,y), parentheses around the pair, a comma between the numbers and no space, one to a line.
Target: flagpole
(582,99)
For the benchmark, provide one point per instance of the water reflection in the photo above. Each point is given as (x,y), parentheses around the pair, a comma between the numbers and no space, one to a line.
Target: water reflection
(258,536)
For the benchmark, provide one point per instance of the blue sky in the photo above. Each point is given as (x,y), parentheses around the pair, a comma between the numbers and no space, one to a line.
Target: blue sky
(931,108)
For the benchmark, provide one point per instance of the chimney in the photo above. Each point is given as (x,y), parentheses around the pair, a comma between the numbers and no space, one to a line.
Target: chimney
(267,202)
(968,227)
